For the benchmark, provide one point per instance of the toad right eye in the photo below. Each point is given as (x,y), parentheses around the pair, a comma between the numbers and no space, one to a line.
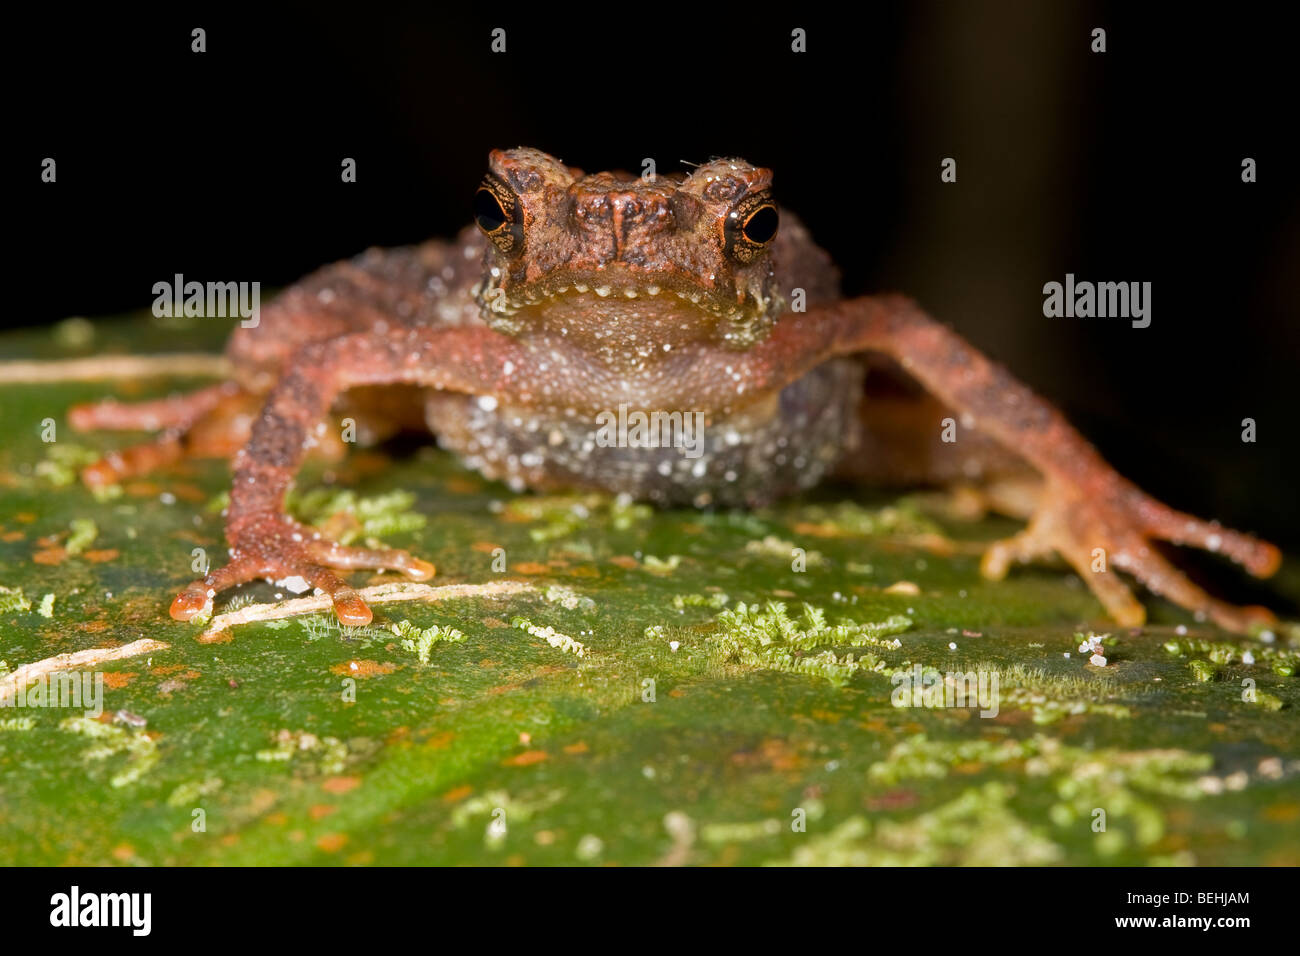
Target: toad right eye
(497,214)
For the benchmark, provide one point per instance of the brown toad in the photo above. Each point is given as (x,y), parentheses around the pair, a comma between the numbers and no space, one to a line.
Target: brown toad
(692,296)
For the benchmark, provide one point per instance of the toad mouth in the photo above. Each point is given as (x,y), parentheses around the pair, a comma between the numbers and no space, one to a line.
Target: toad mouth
(500,302)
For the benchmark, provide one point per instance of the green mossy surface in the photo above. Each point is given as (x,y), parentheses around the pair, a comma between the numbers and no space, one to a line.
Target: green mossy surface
(508,747)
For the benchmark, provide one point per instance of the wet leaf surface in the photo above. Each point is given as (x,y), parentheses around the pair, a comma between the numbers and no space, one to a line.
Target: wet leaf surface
(686,731)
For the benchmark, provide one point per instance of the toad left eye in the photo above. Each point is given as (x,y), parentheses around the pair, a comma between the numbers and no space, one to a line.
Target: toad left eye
(751,226)
(761,225)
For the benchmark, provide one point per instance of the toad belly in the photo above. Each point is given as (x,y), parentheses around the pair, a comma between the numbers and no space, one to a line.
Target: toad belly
(681,457)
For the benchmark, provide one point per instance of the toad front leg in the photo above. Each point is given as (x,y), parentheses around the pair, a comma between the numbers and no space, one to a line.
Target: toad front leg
(264,541)
(1085,504)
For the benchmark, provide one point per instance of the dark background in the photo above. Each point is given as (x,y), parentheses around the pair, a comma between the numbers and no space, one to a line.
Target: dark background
(1122,166)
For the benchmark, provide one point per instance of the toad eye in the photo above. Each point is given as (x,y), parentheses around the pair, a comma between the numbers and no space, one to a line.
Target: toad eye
(498,215)
(750,227)
(488,213)
(761,225)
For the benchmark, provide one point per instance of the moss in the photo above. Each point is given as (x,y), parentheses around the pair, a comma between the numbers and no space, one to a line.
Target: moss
(1223,652)
(770,639)
(63,460)
(1083,779)
(773,547)
(903,519)
(978,828)
(377,516)
(553,637)
(109,740)
(568,598)
(717,600)
(657,565)
(13,599)
(84,533)
(191,792)
(420,641)
(310,754)
(1202,671)
(1052,697)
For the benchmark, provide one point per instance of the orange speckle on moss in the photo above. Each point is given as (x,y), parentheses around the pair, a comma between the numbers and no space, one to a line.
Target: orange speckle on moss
(1282,812)
(531,567)
(440,741)
(50,556)
(462,486)
(579,748)
(123,852)
(320,811)
(188,492)
(625,561)
(363,668)
(332,842)
(484,547)
(816,530)
(457,794)
(101,555)
(526,759)
(340,784)
(117,680)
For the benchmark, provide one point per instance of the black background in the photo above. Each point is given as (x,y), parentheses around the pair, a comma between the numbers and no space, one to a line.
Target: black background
(1122,166)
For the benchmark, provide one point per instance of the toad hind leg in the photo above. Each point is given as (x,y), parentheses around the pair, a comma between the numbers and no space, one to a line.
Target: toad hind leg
(211,422)
(264,541)
(1087,511)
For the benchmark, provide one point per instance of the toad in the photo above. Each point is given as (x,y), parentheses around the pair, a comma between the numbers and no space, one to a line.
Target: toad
(684,298)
